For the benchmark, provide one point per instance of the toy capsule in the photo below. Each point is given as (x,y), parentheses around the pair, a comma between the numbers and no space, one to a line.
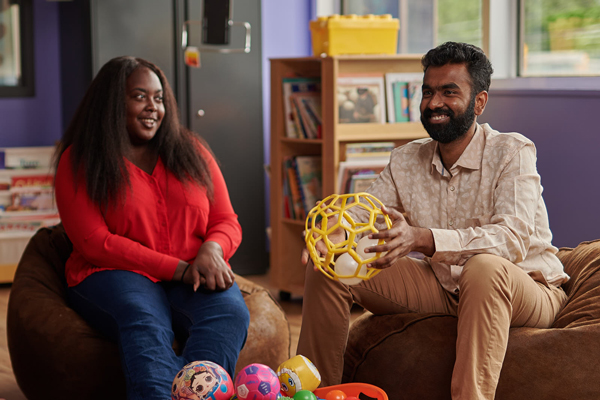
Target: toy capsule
(298,373)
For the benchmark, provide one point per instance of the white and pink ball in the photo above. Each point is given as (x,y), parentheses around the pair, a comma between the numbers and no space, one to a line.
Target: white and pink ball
(202,380)
(257,382)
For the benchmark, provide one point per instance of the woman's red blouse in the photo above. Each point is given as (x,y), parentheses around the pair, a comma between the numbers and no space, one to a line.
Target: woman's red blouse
(161,222)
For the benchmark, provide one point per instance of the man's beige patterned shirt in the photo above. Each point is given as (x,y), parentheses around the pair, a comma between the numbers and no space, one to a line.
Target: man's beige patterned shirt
(489,202)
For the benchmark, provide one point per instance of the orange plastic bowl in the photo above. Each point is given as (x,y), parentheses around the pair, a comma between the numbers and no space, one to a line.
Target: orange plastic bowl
(353,389)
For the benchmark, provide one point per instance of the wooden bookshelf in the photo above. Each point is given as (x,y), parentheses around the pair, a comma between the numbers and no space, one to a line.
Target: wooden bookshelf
(287,272)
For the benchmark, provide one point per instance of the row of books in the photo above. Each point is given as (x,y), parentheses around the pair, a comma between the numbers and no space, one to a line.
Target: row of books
(392,97)
(302,176)
(302,106)
(369,150)
(406,98)
(302,183)
(364,162)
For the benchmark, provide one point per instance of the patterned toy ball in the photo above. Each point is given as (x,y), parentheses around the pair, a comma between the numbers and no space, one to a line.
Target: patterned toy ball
(257,382)
(345,261)
(200,380)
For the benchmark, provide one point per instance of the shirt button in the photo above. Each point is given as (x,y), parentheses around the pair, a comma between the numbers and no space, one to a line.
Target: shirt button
(452,188)
(450,222)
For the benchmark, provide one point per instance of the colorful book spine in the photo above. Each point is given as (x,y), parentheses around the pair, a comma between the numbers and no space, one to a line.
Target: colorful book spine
(296,85)
(310,179)
(307,106)
(300,131)
(402,102)
(397,101)
(297,200)
(288,210)
(415,94)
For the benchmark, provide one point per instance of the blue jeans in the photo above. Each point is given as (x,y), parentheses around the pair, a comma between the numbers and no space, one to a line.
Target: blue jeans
(144,317)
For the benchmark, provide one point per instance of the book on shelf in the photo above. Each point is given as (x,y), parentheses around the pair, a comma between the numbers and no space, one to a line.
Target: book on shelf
(26,191)
(361,98)
(30,199)
(297,210)
(37,180)
(293,123)
(29,193)
(27,158)
(310,179)
(351,168)
(400,90)
(28,203)
(360,182)
(403,96)
(415,94)
(287,195)
(26,222)
(369,150)
(302,185)
(307,113)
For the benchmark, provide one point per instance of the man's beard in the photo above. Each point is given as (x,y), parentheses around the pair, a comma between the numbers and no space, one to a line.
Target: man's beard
(455,128)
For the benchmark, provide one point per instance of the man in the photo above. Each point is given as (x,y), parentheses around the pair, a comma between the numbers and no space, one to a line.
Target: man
(470,200)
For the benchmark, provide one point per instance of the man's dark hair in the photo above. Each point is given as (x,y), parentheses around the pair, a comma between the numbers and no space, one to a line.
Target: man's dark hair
(473,57)
(98,136)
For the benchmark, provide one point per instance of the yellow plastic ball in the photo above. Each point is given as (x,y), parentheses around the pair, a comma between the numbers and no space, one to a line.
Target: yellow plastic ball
(331,214)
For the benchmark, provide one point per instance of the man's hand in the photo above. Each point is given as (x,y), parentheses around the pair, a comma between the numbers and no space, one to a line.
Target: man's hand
(336,236)
(400,240)
(209,269)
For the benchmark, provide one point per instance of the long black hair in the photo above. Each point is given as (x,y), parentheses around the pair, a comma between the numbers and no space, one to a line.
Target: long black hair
(98,136)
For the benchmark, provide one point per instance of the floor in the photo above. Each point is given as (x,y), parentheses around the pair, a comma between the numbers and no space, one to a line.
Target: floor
(9,389)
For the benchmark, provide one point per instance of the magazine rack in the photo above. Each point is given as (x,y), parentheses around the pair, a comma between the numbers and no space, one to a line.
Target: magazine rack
(287,272)
(26,201)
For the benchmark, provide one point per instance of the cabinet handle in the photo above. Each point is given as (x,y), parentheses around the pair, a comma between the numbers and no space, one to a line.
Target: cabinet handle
(200,113)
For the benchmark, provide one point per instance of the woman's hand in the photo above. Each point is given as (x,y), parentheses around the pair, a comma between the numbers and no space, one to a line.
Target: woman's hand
(209,269)
(400,240)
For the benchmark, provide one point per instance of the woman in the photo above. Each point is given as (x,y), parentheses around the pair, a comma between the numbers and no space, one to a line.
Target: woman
(148,212)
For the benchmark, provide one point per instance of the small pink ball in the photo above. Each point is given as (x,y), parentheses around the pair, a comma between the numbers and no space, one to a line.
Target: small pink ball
(257,382)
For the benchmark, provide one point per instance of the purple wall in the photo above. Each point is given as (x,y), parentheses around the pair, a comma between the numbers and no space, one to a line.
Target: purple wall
(563,125)
(285,33)
(36,121)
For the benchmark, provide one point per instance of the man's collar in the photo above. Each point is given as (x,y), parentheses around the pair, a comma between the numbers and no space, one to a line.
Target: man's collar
(470,158)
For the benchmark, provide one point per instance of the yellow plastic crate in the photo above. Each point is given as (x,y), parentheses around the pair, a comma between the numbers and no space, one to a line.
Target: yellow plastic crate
(352,34)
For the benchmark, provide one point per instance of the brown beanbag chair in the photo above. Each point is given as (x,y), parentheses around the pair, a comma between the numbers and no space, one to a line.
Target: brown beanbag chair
(56,355)
(411,356)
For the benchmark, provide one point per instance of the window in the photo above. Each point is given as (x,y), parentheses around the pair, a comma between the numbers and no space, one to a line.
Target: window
(459,21)
(425,23)
(560,38)
(16,48)
(527,38)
